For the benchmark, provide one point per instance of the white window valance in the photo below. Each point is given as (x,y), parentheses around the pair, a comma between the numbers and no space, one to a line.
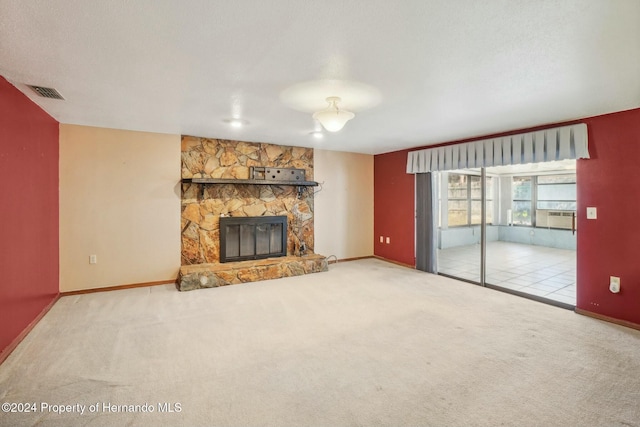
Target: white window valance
(566,142)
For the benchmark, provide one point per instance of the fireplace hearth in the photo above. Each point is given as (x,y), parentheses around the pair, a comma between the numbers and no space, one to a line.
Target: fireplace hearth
(251,238)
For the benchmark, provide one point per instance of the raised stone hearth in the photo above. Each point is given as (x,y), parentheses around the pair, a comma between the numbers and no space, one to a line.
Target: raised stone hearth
(213,275)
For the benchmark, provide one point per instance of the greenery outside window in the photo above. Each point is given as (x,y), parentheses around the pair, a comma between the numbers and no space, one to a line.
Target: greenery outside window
(545,192)
(522,200)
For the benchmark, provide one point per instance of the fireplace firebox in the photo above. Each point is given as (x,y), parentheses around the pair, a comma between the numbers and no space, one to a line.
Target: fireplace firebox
(246,238)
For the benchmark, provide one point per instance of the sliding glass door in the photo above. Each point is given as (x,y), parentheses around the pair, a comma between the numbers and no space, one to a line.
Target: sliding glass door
(535,252)
(460,231)
(521,239)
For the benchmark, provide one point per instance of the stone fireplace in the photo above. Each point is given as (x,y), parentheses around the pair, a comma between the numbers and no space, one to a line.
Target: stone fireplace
(216,189)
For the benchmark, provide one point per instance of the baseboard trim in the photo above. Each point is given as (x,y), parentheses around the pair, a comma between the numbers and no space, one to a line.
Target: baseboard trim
(608,319)
(351,259)
(118,288)
(13,344)
(402,264)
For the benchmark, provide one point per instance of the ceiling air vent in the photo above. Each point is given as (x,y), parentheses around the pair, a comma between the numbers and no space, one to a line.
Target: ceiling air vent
(46,92)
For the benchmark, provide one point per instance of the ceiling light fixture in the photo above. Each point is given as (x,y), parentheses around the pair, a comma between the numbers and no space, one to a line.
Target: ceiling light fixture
(332,118)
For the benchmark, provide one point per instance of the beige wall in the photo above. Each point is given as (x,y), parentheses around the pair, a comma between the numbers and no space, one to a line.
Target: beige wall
(344,207)
(119,200)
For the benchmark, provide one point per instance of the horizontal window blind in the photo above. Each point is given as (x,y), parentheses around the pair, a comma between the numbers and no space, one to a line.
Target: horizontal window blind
(566,142)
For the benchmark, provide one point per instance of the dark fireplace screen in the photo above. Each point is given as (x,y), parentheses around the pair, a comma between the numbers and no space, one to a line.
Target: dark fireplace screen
(244,238)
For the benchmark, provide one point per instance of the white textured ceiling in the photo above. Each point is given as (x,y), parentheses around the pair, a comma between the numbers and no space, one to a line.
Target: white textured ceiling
(445,69)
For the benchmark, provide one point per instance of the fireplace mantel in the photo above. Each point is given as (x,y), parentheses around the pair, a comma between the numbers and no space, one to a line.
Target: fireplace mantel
(235,181)
(247,181)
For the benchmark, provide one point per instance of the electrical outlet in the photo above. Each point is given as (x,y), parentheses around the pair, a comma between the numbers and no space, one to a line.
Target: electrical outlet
(614,284)
(388,240)
(592,213)
(381,239)
(93,259)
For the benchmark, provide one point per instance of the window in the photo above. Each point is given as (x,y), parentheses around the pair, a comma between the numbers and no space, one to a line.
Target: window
(465,199)
(556,192)
(521,207)
(458,195)
(549,192)
(476,200)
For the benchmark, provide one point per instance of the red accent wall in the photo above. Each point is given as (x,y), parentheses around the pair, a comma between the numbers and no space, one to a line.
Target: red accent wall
(28,211)
(610,244)
(393,207)
(607,246)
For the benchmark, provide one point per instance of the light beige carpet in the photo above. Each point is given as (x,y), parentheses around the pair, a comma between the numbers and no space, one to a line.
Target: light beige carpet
(366,344)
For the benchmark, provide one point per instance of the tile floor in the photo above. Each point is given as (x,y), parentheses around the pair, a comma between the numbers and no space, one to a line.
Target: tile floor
(535,270)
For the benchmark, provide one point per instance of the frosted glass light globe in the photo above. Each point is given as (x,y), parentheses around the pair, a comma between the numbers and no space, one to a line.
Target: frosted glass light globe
(333,119)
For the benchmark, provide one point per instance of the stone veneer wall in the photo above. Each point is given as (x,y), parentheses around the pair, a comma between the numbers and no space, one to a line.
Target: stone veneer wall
(202,204)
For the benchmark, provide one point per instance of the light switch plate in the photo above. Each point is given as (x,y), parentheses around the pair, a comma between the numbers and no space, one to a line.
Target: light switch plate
(592,213)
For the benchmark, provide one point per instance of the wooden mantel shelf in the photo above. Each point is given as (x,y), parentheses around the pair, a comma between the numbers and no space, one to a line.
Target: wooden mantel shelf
(248,181)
